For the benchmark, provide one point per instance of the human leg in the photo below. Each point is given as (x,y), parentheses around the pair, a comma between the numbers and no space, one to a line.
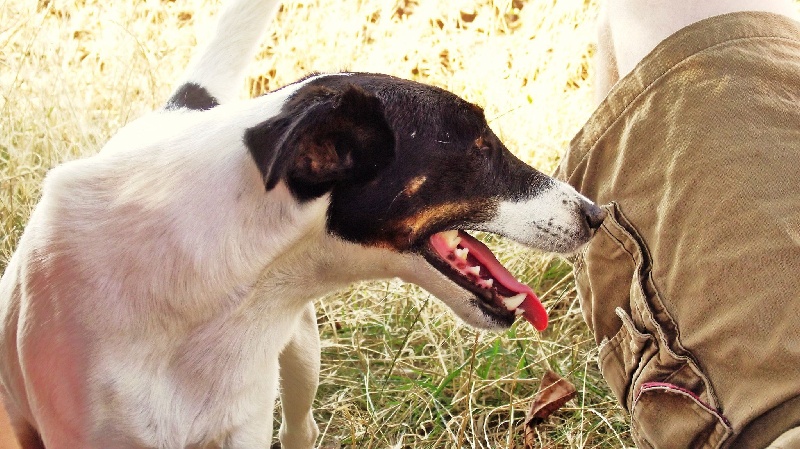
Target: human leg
(629,29)
(690,285)
(606,73)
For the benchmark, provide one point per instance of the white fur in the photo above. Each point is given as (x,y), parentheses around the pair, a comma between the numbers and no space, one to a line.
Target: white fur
(184,317)
(553,213)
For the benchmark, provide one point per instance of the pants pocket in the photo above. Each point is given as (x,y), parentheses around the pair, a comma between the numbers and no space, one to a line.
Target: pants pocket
(670,417)
(671,401)
(621,357)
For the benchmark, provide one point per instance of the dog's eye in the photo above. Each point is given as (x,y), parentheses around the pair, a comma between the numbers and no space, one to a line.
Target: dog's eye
(482,150)
(481,147)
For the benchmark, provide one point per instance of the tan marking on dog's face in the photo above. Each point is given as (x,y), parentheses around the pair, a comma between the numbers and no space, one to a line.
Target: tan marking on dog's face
(413,186)
(407,231)
(434,214)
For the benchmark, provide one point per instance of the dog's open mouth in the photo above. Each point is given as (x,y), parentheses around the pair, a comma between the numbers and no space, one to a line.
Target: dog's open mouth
(470,264)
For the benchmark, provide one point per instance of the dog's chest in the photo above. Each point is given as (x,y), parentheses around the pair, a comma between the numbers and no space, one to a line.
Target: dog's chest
(194,391)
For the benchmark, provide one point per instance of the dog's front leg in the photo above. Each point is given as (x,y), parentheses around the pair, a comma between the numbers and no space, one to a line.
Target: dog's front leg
(299,368)
(255,433)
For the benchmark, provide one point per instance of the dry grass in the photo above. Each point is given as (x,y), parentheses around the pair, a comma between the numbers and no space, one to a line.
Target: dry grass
(398,370)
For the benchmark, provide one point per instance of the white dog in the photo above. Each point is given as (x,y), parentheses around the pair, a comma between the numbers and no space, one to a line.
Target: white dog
(163,286)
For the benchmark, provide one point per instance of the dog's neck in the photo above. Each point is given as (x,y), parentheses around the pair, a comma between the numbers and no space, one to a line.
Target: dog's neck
(320,263)
(192,256)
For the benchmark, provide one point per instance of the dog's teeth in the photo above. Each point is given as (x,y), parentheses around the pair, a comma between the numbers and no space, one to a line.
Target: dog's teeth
(451,238)
(461,253)
(488,283)
(451,234)
(519,311)
(473,270)
(513,302)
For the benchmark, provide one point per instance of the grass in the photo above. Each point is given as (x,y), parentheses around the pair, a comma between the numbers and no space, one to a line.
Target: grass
(399,371)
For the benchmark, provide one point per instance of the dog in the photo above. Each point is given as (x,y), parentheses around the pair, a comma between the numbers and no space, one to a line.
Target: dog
(161,294)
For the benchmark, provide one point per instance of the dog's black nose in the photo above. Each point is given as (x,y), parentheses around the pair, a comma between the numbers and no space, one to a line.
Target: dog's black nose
(594,214)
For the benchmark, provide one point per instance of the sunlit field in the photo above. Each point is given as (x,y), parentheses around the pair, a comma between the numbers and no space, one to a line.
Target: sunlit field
(398,369)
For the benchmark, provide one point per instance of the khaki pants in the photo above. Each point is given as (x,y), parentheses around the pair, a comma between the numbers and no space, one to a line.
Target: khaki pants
(692,285)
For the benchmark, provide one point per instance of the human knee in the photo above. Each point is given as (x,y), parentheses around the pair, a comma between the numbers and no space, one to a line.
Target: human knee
(636,27)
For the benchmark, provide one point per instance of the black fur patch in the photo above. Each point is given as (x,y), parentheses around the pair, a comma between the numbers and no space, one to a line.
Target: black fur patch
(442,147)
(322,138)
(192,96)
(443,139)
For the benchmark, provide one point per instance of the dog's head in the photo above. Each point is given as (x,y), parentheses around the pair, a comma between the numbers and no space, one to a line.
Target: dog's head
(408,167)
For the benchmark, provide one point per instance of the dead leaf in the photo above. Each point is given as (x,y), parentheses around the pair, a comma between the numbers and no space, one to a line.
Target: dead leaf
(553,393)
(468,15)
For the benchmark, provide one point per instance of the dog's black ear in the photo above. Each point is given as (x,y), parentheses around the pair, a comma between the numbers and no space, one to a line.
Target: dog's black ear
(323,137)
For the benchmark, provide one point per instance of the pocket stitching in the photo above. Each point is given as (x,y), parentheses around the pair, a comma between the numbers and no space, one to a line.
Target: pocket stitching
(676,389)
(722,427)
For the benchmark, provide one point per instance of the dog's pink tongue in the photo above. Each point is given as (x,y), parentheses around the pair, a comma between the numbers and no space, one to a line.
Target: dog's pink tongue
(533,310)
(530,308)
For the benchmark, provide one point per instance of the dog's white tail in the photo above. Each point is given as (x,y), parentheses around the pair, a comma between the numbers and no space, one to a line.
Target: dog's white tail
(216,73)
